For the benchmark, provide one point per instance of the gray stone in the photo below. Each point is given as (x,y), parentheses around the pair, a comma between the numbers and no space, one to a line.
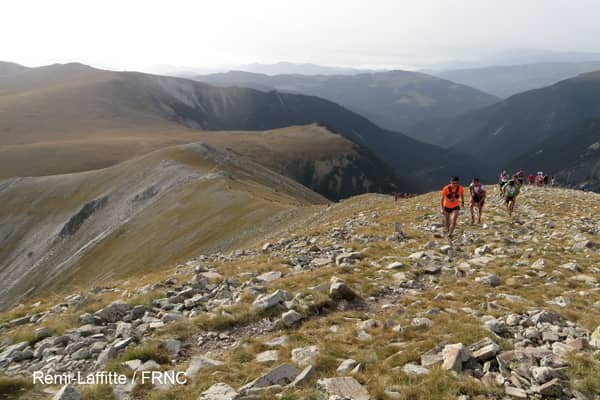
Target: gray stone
(490,280)
(367,324)
(412,369)
(42,333)
(81,354)
(553,388)
(278,341)
(454,356)
(421,322)
(338,290)
(123,329)
(282,375)
(348,257)
(113,312)
(219,391)
(346,366)
(133,364)
(484,349)
(194,301)
(304,356)
(169,317)
(483,250)
(539,264)
(290,317)
(545,316)
(173,347)
(199,362)
(571,266)
(303,376)
(149,365)
(344,387)
(515,392)
(267,356)
(267,301)
(121,344)
(107,354)
(542,374)
(269,276)
(67,392)
(395,265)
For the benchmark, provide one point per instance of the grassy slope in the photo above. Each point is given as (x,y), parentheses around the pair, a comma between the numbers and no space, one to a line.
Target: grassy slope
(193,210)
(387,349)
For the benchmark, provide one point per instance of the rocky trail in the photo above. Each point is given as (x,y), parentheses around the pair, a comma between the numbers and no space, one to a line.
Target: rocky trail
(365,299)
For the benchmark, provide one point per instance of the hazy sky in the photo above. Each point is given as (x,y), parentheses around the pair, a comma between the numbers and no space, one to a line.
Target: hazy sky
(137,34)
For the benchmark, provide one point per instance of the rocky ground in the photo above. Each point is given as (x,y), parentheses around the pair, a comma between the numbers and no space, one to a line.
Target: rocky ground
(364,300)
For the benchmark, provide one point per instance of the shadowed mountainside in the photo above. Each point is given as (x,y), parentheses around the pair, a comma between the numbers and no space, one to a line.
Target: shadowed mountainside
(394,100)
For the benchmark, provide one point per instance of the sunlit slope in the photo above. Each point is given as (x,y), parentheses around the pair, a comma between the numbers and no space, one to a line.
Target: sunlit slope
(88,228)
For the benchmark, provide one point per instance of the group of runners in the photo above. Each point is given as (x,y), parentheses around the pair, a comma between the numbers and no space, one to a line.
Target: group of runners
(452,197)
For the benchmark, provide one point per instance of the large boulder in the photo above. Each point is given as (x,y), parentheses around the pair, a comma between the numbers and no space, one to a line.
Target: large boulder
(114,312)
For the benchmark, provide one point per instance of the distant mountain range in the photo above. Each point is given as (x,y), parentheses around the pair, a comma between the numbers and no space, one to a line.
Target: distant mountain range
(394,100)
(258,68)
(551,120)
(505,81)
(73,104)
(572,155)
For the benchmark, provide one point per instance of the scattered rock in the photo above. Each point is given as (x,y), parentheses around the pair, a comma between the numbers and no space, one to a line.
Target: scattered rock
(219,391)
(304,356)
(67,392)
(412,369)
(346,366)
(267,301)
(290,317)
(344,387)
(338,290)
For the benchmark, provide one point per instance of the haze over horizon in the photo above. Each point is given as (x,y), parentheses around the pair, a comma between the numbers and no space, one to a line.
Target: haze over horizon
(387,34)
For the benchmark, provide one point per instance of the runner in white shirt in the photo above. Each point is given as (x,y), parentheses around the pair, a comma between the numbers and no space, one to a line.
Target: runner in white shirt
(477,199)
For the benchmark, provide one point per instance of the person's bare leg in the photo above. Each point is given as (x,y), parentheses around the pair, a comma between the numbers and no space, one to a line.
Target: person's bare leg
(453,218)
(447,221)
(472,213)
(480,208)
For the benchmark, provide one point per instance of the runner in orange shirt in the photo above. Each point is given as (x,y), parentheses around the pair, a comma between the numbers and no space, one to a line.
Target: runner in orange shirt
(450,204)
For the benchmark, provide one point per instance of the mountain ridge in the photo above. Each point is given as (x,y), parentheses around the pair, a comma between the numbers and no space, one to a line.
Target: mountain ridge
(393,99)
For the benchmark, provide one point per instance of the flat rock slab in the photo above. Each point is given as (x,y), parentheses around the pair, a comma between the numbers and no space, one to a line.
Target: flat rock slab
(282,375)
(200,362)
(304,356)
(219,391)
(345,387)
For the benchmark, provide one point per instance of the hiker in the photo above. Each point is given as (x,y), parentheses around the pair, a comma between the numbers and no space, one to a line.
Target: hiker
(520,176)
(530,179)
(504,177)
(450,204)
(477,199)
(539,180)
(510,192)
